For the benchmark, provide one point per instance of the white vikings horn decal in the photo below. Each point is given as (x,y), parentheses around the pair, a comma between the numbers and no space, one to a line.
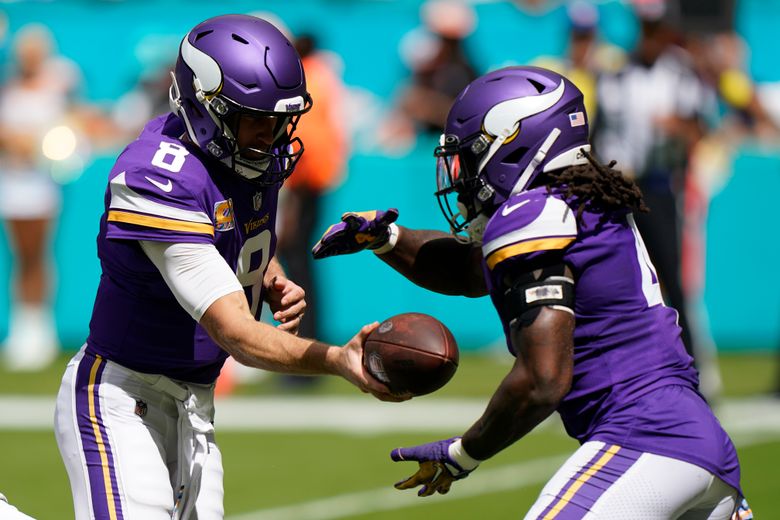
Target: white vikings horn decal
(206,71)
(505,115)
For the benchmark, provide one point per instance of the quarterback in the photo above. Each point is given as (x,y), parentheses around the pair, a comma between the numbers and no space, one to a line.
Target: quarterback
(550,236)
(186,246)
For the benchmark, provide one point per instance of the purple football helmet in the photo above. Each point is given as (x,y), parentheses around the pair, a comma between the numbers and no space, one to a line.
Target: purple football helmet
(502,131)
(237,65)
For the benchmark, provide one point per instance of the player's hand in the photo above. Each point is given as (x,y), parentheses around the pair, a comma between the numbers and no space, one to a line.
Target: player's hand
(352,368)
(355,232)
(441,463)
(286,299)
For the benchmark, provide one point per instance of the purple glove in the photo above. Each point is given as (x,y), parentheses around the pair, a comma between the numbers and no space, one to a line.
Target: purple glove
(441,463)
(355,232)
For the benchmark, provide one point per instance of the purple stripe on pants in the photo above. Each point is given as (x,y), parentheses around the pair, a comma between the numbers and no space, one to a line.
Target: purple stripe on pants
(106,503)
(575,499)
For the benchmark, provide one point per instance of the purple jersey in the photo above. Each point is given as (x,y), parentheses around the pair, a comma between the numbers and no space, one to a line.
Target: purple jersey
(163,189)
(627,346)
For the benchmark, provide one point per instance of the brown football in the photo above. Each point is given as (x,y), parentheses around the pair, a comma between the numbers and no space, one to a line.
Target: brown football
(411,352)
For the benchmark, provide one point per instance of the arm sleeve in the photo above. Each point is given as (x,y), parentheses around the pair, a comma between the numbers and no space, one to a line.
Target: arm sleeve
(196,273)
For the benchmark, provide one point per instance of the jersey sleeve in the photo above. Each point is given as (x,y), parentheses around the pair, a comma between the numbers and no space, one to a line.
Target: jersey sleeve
(528,226)
(146,205)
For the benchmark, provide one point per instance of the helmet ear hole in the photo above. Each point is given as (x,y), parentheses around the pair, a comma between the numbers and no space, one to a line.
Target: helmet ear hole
(515,156)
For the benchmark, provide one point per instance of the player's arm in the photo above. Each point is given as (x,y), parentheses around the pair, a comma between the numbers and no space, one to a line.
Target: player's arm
(536,384)
(431,259)
(209,291)
(539,306)
(438,262)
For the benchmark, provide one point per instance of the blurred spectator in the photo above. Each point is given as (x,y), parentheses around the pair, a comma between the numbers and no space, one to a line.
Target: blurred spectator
(721,59)
(320,169)
(586,55)
(149,98)
(35,104)
(440,70)
(650,114)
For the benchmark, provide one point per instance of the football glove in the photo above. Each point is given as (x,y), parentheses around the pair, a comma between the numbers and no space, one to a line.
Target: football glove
(441,463)
(355,232)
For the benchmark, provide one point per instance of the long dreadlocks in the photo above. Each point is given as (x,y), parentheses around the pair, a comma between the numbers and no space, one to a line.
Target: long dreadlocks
(597,186)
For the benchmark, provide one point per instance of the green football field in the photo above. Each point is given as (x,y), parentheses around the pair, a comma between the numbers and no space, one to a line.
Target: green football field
(339,471)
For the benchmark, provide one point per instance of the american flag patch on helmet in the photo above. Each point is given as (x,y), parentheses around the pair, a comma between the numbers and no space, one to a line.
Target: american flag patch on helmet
(577,119)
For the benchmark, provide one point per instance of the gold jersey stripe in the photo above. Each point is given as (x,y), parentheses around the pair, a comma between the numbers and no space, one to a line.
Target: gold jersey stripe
(542,244)
(577,484)
(160,223)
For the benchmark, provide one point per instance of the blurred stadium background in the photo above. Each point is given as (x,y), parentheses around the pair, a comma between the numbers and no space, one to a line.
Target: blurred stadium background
(320,452)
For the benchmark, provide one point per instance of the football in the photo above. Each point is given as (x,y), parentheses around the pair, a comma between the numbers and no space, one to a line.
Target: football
(411,352)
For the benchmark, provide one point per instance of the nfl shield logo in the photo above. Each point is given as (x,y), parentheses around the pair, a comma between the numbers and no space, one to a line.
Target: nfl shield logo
(257,201)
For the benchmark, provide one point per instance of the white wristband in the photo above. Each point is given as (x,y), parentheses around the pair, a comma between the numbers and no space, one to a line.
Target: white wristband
(461,458)
(392,239)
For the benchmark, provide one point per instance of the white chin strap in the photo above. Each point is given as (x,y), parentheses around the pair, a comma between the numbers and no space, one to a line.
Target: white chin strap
(474,230)
(541,153)
(243,169)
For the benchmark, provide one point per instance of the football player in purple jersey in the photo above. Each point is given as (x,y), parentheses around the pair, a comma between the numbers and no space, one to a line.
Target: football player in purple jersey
(549,235)
(186,246)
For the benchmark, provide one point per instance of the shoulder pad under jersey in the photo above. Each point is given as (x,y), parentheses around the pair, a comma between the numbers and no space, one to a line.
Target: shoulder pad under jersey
(157,192)
(526,223)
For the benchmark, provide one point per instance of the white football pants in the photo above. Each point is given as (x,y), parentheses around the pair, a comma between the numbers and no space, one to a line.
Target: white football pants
(9,512)
(607,482)
(137,446)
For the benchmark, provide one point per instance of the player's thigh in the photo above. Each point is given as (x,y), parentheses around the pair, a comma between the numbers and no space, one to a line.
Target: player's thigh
(113,435)
(608,482)
(654,487)
(210,502)
(564,484)
(718,503)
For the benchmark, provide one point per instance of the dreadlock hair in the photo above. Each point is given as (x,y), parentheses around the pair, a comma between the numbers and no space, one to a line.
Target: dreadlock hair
(597,186)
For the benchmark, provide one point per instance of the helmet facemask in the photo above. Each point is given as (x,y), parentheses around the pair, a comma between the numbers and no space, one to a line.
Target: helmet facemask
(462,194)
(268,165)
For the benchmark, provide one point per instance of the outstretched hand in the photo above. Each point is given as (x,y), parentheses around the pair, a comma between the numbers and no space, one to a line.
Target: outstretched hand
(441,463)
(355,232)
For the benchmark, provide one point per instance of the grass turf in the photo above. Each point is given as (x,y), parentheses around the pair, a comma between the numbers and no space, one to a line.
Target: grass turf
(264,470)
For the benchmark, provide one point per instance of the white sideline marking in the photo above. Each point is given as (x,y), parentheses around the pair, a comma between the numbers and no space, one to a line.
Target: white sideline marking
(353,415)
(388,498)
(356,415)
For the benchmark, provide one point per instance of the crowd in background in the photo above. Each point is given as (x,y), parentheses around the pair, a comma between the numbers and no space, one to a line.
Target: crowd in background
(671,111)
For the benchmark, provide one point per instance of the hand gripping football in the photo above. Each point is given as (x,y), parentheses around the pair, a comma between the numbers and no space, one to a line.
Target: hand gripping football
(411,352)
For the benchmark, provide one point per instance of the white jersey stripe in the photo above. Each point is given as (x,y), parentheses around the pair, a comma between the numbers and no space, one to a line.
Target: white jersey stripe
(123,197)
(555,220)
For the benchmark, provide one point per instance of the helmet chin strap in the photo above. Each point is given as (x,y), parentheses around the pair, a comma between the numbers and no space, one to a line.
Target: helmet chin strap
(541,153)
(475,229)
(495,145)
(174,101)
